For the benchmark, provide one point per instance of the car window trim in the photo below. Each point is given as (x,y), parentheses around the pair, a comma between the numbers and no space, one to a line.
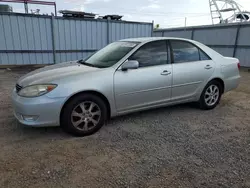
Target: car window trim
(167,62)
(169,52)
(199,49)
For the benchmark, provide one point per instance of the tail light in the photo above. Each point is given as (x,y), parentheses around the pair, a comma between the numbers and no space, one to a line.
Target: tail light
(238,65)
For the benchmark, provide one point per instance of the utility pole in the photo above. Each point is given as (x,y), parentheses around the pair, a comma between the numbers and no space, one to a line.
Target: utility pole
(26,6)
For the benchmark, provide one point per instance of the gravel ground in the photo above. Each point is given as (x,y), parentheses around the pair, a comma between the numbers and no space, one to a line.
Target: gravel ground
(179,146)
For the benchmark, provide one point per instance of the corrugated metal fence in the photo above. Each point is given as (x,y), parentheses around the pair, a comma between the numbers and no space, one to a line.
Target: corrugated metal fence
(32,39)
(231,40)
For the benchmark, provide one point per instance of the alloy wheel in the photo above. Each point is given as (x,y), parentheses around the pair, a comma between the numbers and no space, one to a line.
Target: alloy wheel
(212,95)
(86,116)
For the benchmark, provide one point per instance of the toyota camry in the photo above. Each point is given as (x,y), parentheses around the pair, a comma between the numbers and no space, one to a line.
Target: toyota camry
(125,76)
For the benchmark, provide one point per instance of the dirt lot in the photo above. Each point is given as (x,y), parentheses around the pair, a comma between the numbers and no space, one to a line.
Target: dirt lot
(178,146)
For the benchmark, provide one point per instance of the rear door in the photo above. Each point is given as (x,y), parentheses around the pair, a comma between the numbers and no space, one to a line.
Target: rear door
(191,69)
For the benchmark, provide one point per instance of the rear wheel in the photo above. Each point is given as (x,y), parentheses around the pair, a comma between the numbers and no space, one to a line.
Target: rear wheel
(84,115)
(211,95)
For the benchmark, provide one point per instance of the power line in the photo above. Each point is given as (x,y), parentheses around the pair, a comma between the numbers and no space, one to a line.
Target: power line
(160,13)
(191,19)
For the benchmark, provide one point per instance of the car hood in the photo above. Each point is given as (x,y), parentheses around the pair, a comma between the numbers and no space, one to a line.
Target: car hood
(51,73)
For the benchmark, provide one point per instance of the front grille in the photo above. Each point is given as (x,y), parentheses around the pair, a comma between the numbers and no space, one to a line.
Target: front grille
(18,88)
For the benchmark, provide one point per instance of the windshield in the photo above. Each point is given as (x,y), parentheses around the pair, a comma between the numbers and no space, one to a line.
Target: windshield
(110,55)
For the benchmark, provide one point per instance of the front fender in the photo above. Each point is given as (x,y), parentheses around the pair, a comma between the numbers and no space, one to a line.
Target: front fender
(100,81)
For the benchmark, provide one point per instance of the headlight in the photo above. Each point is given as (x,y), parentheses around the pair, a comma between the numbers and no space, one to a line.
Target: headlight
(36,90)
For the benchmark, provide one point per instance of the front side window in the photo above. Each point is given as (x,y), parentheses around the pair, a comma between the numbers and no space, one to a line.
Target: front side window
(151,54)
(184,52)
(110,55)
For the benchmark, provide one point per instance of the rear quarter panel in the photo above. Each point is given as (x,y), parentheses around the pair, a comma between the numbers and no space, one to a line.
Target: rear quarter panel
(230,73)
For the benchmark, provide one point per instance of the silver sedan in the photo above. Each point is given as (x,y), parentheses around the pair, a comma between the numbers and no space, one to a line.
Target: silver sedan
(125,76)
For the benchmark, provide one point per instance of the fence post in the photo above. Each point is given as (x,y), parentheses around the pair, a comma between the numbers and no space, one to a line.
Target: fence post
(236,39)
(152,33)
(108,41)
(53,37)
(192,34)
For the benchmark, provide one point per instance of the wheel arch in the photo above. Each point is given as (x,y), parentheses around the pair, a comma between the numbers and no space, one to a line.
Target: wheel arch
(213,79)
(93,92)
(220,81)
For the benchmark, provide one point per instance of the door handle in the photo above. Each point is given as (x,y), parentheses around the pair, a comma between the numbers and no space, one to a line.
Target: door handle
(208,67)
(165,72)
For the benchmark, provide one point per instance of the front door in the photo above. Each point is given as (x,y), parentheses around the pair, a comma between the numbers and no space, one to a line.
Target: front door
(148,85)
(191,69)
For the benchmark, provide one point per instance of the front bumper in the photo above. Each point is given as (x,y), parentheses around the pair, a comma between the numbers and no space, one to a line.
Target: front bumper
(45,110)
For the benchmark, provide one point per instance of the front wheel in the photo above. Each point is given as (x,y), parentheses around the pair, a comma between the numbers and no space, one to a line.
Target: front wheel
(84,115)
(211,95)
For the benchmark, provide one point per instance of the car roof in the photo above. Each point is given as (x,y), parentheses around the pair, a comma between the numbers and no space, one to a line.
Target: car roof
(149,39)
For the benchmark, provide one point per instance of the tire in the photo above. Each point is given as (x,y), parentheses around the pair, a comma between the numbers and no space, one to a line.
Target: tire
(81,110)
(204,101)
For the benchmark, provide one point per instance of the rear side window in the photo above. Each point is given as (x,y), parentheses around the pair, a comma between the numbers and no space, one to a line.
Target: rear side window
(204,56)
(151,54)
(187,52)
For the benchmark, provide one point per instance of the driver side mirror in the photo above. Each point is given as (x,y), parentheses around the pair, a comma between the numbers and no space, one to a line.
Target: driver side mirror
(130,64)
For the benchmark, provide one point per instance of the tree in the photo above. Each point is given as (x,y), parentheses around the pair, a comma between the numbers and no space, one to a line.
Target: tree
(157,26)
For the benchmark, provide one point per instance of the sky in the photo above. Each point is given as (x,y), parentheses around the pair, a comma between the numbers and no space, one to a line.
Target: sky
(167,13)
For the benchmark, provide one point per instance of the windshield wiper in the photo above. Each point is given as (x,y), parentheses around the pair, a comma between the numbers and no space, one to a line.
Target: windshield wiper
(81,61)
